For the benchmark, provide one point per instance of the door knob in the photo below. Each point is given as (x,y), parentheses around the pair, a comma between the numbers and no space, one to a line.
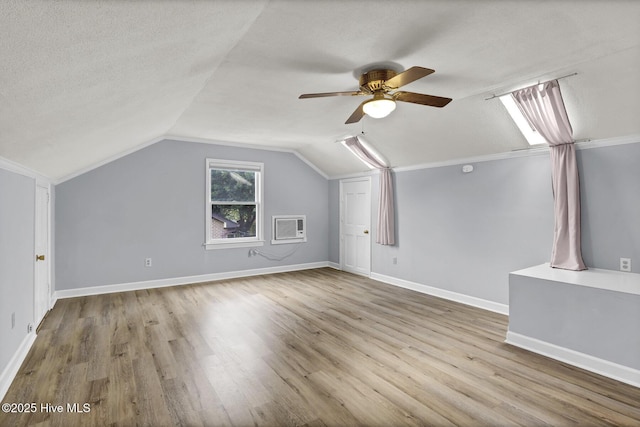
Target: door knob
(39,257)
(366,231)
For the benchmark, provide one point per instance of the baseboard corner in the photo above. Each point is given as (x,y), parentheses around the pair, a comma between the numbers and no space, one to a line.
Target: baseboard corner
(10,371)
(443,293)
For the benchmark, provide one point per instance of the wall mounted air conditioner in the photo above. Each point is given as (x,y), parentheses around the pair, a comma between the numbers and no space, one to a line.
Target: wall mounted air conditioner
(289,229)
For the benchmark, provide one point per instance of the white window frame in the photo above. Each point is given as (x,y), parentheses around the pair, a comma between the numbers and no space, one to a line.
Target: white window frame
(239,242)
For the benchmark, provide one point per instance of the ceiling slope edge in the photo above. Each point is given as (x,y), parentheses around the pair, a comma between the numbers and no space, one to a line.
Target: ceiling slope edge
(108,160)
(251,146)
(224,57)
(580,145)
(184,139)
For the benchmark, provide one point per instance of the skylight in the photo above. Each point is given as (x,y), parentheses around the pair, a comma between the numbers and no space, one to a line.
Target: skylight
(371,151)
(533,137)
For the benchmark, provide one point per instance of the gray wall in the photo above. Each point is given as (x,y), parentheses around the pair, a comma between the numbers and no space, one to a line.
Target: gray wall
(466,232)
(17,210)
(610,191)
(151,203)
(459,232)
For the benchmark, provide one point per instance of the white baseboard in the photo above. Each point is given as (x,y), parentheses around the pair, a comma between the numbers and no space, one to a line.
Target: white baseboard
(334,265)
(176,281)
(443,293)
(603,367)
(9,373)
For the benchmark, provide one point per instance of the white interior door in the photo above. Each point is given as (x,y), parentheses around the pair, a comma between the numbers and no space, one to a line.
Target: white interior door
(42,291)
(355,225)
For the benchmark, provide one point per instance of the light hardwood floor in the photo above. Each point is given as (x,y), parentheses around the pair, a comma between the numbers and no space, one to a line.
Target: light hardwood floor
(312,348)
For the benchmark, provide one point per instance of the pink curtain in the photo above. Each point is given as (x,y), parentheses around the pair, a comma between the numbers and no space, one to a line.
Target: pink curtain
(385,234)
(543,107)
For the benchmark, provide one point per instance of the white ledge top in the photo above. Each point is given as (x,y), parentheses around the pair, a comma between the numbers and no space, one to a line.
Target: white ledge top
(609,280)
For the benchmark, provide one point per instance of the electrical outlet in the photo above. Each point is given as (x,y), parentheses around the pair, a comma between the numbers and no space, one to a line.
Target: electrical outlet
(625,264)
(148,262)
(13,320)
(394,260)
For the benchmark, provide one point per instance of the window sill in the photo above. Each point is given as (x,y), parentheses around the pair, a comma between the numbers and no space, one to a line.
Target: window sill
(229,245)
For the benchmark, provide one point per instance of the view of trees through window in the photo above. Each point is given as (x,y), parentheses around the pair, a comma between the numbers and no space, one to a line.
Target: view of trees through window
(233,203)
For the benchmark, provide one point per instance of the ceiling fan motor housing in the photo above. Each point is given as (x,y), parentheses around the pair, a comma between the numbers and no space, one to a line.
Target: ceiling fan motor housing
(374,80)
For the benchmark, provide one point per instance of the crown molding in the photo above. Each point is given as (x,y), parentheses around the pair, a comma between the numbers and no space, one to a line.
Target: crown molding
(251,146)
(108,160)
(187,139)
(527,152)
(607,142)
(14,167)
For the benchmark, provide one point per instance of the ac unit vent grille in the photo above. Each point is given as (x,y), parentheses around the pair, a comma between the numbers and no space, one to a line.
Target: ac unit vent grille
(289,229)
(286,229)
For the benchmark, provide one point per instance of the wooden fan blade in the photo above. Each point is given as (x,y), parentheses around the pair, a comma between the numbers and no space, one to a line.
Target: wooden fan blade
(419,98)
(357,115)
(320,95)
(408,76)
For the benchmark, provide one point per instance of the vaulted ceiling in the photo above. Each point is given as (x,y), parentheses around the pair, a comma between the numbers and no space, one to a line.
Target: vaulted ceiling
(84,81)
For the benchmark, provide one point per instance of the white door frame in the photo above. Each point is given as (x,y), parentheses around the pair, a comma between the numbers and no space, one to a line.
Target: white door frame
(42,285)
(367,179)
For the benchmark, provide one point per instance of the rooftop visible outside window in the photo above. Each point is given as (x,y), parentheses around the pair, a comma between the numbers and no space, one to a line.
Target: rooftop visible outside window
(234,204)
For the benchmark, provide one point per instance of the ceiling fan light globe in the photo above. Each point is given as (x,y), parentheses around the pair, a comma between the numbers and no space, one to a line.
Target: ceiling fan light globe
(379,108)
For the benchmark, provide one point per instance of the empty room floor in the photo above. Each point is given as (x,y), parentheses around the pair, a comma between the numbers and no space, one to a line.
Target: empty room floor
(310,348)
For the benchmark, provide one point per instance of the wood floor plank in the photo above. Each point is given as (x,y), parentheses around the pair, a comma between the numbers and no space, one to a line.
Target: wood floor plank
(121,399)
(151,407)
(310,348)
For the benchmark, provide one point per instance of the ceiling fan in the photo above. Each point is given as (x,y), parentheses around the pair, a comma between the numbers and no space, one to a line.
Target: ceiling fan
(382,84)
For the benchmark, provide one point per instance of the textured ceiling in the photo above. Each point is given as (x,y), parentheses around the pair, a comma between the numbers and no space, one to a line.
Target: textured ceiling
(83,82)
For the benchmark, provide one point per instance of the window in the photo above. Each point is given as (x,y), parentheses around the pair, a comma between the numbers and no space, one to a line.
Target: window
(532,136)
(234,204)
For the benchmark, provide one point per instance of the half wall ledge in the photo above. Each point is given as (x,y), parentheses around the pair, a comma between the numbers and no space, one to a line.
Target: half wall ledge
(590,318)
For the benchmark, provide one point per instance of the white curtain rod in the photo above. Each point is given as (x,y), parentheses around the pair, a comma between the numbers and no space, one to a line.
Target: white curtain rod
(507,93)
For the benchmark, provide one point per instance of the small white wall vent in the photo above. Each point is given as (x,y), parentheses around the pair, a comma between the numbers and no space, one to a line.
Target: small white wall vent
(289,229)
